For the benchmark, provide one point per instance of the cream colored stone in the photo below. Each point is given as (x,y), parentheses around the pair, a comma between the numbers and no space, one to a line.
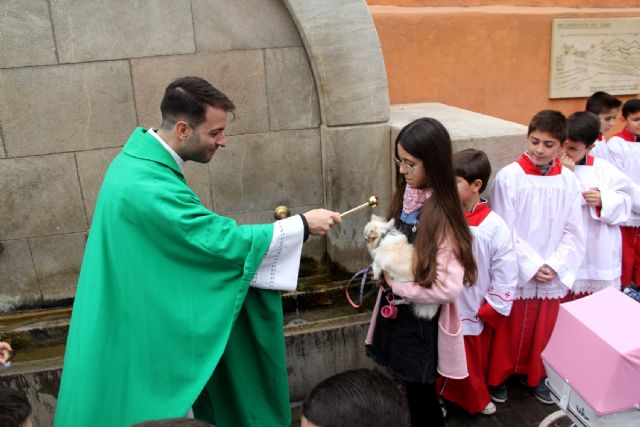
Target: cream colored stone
(239,75)
(57,261)
(116,29)
(26,34)
(291,91)
(2,151)
(197,176)
(259,172)
(242,24)
(19,283)
(66,108)
(345,54)
(357,165)
(92,165)
(41,196)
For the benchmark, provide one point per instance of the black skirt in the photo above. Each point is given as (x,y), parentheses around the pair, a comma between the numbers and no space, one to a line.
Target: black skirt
(406,346)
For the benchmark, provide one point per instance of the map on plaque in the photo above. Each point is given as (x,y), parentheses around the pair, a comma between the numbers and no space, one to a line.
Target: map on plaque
(588,55)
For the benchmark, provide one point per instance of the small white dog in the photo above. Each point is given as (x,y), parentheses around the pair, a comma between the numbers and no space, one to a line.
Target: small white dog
(392,252)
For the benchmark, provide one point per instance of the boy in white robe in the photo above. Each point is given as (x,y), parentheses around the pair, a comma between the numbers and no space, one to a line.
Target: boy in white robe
(624,153)
(606,107)
(607,195)
(485,305)
(541,203)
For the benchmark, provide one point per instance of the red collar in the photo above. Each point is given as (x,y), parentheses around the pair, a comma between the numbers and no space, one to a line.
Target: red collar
(590,160)
(600,137)
(627,135)
(531,169)
(478,214)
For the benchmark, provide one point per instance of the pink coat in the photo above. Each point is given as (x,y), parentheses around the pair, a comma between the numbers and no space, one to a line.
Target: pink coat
(452,362)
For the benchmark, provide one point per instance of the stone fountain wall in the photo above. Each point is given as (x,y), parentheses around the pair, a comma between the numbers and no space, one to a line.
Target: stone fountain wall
(76,77)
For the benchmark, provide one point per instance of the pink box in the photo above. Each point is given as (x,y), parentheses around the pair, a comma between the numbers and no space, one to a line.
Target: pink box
(595,351)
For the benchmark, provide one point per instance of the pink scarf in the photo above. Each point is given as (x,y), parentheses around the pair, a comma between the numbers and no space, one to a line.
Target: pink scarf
(414,198)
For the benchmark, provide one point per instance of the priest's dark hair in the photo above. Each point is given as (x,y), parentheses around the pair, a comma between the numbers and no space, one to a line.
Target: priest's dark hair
(359,397)
(602,102)
(442,216)
(472,164)
(549,121)
(583,127)
(187,98)
(14,407)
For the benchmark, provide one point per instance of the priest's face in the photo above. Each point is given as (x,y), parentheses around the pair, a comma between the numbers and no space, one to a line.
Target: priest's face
(542,147)
(205,139)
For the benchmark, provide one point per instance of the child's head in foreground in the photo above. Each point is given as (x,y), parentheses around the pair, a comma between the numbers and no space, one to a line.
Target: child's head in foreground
(631,116)
(582,131)
(606,107)
(14,408)
(360,397)
(547,131)
(473,170)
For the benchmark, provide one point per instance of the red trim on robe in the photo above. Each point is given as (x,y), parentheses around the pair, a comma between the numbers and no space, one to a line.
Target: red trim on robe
(530,168)
(478,214)
(471,393)
(627,135)
(590,160)
(600,137)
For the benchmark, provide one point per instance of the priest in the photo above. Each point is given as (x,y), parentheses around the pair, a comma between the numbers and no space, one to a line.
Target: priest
(178,309)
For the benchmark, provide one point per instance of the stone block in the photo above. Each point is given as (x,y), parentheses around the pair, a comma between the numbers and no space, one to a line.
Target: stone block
(316,351)
(259,172)
(26,34)
(117,29)
(66,108)
(345,54)
(19,285)
(57,261)
(291,90)
(239,75)
(503,141)
(245,24)
(41,196)
(92,165)
(2,151)
(197,176)
(357,165)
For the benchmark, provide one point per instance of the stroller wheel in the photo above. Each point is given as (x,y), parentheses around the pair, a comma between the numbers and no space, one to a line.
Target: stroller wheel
(557,419)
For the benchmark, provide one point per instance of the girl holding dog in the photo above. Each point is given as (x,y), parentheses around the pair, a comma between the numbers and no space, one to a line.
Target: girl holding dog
(427,209)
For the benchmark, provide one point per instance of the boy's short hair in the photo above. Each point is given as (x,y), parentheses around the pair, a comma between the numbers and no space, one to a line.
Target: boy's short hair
(358,397)
(174,422)
(549,121)
(630,107)
(583,127)
(601,102)
(14,407)
(472,164)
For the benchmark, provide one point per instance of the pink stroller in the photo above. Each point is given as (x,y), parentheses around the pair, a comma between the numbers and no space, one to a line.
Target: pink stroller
(593,362)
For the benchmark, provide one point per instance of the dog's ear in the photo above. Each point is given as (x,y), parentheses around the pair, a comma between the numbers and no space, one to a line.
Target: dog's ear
(389,225)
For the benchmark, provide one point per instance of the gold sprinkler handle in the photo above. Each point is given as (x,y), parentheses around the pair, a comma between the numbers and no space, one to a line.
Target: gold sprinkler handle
(373,202)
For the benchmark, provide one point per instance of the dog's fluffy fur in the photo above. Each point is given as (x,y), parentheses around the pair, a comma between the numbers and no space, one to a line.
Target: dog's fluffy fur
(391,252)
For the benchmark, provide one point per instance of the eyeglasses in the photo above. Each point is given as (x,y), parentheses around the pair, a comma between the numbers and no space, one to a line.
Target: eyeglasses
(410,169)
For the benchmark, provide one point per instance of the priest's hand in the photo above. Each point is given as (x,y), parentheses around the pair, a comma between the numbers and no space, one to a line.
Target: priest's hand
(321,220)
(5,349)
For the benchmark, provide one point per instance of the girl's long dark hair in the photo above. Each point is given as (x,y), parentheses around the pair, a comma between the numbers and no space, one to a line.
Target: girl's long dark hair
(442,215)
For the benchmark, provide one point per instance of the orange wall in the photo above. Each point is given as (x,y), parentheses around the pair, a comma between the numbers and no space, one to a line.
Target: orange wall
(490,59)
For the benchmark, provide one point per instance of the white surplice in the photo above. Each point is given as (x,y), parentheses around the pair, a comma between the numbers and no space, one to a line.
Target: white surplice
(545,215)
(625,155)
(497,264)
(603,259)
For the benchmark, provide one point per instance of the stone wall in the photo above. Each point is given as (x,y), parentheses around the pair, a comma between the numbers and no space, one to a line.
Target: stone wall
(77,76)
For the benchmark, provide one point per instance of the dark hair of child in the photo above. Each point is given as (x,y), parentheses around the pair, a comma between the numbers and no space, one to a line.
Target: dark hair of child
(602,102)
(549,121)
(428,140)
(472,164)
(583,127)
(360,397)
(630,107)
(14,407)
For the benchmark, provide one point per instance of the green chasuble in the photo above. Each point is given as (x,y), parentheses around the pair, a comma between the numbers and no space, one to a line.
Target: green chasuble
(163,308)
